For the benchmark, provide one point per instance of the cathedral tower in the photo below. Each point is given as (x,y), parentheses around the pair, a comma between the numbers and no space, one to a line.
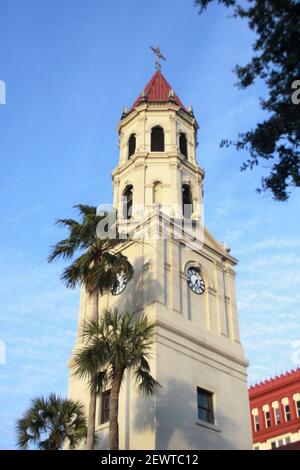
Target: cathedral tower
(184,281)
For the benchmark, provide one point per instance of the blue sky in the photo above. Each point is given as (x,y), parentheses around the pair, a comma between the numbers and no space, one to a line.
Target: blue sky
(69,68)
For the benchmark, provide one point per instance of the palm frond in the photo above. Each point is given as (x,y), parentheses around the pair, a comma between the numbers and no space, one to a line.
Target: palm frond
(49,421)
(99,261)
(147,385)
(63,249)
(119,341)
(99,381)
(71,224)
(91,329)
(89,359)
(85,210)
(78,271)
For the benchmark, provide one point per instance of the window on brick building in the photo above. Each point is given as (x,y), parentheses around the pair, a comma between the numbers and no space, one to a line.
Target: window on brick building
(268,419)
(287,412)
(298,408)
(256,423)
(277,415)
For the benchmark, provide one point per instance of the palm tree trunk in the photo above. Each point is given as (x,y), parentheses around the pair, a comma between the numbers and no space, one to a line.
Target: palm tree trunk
(55,441)
(91,422)
(93,397)
(114,410)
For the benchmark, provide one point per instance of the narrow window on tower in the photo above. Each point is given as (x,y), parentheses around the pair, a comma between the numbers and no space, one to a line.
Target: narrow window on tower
(157,139)
(277,415)
(187,201)
(268,419)
(105,407)
(131,145)
(127,202)
(183,145)
(157,193)
(287,412)
(205,405)
(256,423)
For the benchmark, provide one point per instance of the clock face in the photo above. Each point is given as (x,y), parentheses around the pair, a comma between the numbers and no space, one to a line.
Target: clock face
(195,281)
(119,285)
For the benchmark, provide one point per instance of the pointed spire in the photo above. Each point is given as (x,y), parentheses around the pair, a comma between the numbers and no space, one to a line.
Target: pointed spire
(158,90)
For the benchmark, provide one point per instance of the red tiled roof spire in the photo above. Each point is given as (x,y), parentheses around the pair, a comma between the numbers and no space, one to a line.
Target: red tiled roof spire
(158,90)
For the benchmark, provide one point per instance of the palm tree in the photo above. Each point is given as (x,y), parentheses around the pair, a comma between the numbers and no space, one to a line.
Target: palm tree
(117,343)
(51,421)
(97,267)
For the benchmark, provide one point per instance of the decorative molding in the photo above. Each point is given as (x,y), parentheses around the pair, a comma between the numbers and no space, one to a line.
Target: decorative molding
(212,290)
(196,340)
(274,382)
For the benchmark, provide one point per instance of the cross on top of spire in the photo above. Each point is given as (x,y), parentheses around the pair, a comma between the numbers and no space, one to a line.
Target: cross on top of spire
(158,55)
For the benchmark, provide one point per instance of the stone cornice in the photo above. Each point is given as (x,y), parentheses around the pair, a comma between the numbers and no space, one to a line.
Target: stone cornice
(168,158)
(197,340)
(151,106)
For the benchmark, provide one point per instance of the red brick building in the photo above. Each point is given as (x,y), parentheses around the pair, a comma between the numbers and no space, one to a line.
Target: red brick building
(275,412)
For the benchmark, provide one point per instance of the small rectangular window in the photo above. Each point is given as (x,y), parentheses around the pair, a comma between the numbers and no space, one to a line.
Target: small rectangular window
(205,405)
(287,412)
(273,445)
(105,406)
(280,442)
(268,419)
(287,440)
(277,415)
(256,423)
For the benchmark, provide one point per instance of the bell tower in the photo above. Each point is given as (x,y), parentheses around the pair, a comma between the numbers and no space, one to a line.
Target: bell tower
(158,139)
(184,280)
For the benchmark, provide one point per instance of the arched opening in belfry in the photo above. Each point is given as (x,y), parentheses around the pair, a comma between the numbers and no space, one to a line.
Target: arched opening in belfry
(131,145)
(127,202)
(157,192)
(183,147)
(187,201)
(157,139)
